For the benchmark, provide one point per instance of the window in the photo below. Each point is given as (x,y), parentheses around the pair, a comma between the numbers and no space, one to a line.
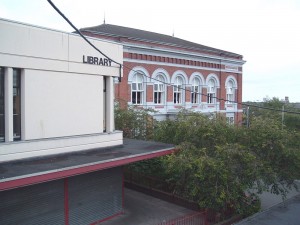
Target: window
(17,103)
(2,119)
(137,89)
(195,91)
(230,120)
(230,91)
(211,91)
(178,90)
(159,90)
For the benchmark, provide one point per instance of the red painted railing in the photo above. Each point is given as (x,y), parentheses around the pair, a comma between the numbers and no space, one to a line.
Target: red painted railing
(198,218)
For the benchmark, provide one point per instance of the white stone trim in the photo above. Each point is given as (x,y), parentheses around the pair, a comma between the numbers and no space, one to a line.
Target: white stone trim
(136,69)
(215,78)
(162,72)
(198,75)
(230,77)
(182,74)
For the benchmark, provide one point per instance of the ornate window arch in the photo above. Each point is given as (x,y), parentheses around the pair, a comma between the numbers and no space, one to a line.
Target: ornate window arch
(163,72)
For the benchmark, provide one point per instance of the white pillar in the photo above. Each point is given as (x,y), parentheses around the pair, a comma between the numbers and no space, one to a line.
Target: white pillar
(110,120)
(23,134)
(8,84)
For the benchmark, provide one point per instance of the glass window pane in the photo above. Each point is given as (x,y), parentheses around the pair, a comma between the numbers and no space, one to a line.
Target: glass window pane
(155,97)
(134,86)
(140,86)
(161,87)
(133,97)
(138,99)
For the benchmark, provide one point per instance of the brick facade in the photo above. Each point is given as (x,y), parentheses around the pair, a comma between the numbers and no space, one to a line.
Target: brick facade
(174,60)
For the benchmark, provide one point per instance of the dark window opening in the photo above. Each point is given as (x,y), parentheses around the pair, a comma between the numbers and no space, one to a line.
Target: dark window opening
(157,97)
(17,104)
(177,98)
(2,115)
(210,98)
(136,97)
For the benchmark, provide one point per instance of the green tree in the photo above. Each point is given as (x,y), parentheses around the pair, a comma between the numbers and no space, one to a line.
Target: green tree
(216,163)
(134,122)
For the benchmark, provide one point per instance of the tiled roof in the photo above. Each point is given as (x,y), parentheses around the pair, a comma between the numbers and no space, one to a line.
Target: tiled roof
(151,37)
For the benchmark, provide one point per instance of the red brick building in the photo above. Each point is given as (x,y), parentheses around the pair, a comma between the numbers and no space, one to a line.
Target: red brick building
(167,74)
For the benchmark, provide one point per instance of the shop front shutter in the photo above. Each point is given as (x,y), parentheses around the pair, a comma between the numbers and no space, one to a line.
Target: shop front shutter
(95,196)
(40,204)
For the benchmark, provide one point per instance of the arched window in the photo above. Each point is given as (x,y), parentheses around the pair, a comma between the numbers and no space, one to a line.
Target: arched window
(137,89)
(195,91)
(178,90)
(159,89)
(230,91)
(211,91)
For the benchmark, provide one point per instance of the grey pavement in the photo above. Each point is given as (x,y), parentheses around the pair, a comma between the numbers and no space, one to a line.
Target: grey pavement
(141,209)
(275,211)
(287,213)
(268,200)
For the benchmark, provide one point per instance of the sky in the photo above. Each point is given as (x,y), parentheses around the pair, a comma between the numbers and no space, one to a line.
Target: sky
(265,32)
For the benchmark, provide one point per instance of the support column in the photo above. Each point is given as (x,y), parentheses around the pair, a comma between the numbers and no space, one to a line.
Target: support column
(23,105)
(8,95)
(110,120)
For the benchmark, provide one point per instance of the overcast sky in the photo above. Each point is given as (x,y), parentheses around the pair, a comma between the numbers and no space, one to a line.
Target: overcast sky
(265,32)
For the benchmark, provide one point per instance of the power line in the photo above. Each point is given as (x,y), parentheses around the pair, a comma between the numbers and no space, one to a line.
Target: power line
(75,28)
(151,78)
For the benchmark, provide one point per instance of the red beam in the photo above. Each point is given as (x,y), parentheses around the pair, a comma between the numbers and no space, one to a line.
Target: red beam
(108,218)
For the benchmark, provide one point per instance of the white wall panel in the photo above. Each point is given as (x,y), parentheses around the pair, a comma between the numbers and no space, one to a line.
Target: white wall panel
(62,104)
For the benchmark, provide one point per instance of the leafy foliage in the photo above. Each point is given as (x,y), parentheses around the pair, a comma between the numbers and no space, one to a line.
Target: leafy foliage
(217,164)
(134,122)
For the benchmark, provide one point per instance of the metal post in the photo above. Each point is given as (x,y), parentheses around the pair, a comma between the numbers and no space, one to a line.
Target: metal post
(248,117)
(282,117)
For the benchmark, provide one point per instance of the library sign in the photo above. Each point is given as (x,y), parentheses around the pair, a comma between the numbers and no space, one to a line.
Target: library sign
(96,60)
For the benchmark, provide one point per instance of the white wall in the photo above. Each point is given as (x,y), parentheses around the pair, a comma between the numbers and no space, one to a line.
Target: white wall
(61,97)
(31,47)
(62,104)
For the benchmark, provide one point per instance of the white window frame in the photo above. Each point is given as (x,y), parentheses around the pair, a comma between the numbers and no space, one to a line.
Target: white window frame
(230,91)
(211,92)
(137,89)
(178,91)
(159,90)
(195,91)
(230,120)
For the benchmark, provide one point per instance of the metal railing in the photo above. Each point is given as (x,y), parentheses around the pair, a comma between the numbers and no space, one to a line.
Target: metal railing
(198,218)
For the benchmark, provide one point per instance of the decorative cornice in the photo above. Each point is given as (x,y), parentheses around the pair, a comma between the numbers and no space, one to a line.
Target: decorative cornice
(179,65)
(141,49)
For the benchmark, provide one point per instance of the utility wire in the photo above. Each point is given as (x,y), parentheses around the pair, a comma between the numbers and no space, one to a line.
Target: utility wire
(151,78)
(78,31)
